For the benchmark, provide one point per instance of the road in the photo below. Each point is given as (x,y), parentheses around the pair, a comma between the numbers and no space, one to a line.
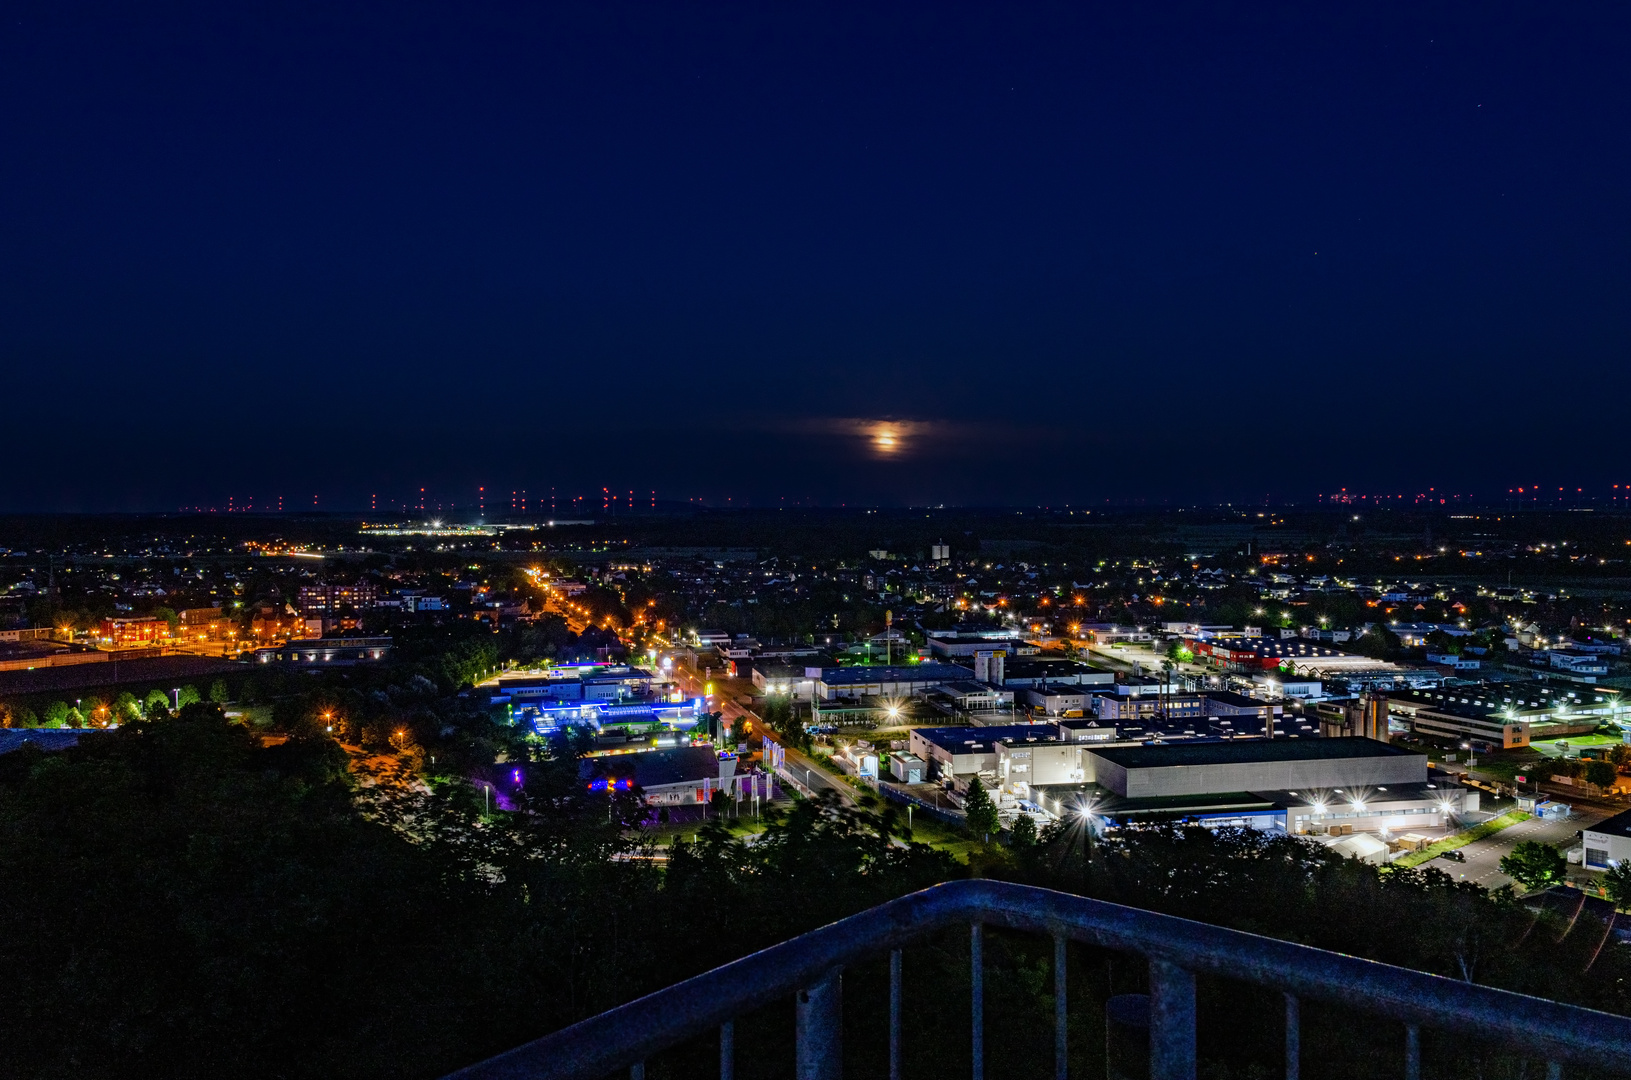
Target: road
(557,604)
(727,692)
(1484,856)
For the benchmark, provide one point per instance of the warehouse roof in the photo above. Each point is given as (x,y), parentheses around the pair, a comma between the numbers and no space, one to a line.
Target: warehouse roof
(1239,753)
(1618,825)
(974,740)
(657,768)
(857,676)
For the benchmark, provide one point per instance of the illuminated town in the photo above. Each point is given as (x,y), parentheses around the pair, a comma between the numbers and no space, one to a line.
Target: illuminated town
(1392,694)
(903,541)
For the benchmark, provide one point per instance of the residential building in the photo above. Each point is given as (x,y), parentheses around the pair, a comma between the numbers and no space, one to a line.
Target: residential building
(323,598)
(141,630)
(206,624)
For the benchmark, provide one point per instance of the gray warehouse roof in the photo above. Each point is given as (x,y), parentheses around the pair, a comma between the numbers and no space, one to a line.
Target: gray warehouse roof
(1238,753)
(859,676)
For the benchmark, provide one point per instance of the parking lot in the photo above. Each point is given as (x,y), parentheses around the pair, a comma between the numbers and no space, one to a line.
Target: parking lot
(1484,856)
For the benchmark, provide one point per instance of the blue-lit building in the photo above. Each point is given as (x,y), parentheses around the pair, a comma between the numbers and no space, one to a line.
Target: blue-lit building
(577,682)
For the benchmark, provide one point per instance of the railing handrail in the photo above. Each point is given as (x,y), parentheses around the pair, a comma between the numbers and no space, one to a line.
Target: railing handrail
(631,1033)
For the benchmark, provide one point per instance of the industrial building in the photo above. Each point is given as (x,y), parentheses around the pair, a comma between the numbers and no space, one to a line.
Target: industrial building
(1281,764)
(329,652)
(682,776)
(1301,786)
(1038,672)
(783,679)
(965,643)
(855,683)
(1022,766)
(975,696)
(578,682)
(1308,661)
(1116,709)
(1058,700)
(961,751)
(1608,843)
(1507,715)
(1277,686)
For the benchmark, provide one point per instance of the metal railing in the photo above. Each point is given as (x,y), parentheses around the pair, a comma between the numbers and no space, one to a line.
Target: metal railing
(810,969)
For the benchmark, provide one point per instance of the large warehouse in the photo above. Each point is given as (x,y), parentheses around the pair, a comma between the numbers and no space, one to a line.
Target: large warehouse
(1297,785)
(1259,765)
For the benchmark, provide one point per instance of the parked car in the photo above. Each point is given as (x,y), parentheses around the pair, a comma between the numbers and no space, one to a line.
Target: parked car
(1452,856)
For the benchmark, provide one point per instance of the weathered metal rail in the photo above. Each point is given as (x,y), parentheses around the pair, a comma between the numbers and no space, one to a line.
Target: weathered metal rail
(809,968)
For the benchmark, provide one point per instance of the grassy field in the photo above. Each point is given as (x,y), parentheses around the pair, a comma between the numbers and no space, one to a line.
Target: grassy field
(1503,767)
(1461,839)
(939,835)
(1574,743)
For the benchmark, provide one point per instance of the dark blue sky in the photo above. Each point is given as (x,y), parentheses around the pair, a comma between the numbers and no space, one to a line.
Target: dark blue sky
(1078,252)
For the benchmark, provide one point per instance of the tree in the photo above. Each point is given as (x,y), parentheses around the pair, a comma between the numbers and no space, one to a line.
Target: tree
(1620,754)
(1618,883)
(1379,643)
(1440,642)
(218,692)
(1024,833)
(189,695)
(981,811)
(156,705)
(1601,773)
(56,714)
(1535,865)
(780,716)
(126,708)
(169,616)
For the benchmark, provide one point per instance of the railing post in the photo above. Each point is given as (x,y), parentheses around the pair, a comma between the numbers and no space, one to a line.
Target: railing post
(1294,1038)
(1412,1052)
(1172,1021)
(820,1028)
(1061,1060)
(727,1050)
(894,1014)
(976,949)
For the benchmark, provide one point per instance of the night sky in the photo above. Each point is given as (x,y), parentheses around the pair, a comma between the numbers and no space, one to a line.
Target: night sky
(883,252)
